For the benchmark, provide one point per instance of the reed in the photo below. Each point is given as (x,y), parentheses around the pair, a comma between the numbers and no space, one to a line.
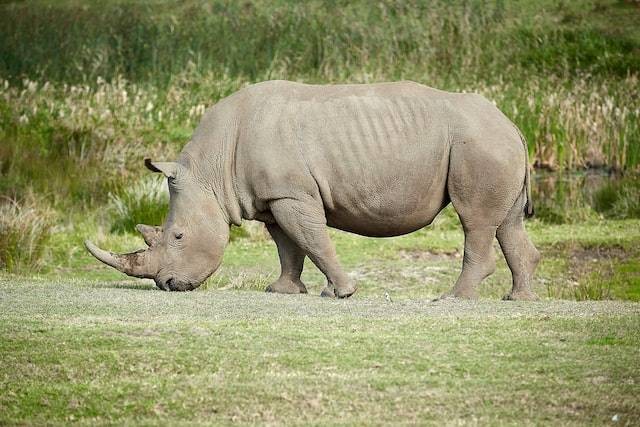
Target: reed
(81,142)
(25,227)
(144,202)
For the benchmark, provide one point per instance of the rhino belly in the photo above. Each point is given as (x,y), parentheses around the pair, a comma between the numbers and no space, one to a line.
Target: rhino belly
(386,204)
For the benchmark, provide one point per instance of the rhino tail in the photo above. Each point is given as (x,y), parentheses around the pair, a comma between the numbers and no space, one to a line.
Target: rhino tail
(528,206)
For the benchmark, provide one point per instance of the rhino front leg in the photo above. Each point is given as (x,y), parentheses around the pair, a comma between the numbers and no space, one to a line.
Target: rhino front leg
(291,263)
(305,223)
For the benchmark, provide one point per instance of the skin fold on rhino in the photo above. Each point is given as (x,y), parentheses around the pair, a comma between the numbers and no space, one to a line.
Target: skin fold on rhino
(373,159)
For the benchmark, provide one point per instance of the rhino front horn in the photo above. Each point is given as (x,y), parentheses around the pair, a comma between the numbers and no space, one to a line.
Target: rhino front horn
(136,264)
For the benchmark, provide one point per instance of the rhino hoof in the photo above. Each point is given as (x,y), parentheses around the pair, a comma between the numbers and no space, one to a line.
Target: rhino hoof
(328,292)
(346,294)
(521,296)
(284,286)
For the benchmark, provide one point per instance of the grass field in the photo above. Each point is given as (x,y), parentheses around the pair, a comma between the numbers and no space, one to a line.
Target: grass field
(91,352)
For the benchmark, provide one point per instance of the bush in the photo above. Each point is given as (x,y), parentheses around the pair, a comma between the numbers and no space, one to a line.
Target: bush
(24,230)
(146,202)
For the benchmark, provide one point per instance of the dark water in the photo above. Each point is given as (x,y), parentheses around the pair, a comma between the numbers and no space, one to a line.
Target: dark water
(572,197)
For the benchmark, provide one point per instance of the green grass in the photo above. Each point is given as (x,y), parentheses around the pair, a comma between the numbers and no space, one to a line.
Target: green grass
(621,199)
(123,353)
(144,202)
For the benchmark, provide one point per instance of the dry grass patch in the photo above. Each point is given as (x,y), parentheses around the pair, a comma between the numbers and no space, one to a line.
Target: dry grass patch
(25,228)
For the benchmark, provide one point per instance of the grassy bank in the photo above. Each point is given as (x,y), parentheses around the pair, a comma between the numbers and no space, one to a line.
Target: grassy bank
(124,354)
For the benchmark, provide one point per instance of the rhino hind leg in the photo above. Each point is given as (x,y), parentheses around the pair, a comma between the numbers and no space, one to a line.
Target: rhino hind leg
(520,253)
(483,184)
(304,223)
(478,262)
(291,264)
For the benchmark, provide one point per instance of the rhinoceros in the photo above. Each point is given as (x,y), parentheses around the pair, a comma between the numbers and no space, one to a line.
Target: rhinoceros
(373,159)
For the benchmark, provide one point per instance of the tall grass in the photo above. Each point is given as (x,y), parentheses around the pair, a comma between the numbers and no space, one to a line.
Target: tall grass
(576,197)
(587,122)
(81,142)
(618,199)
(25,227)
(144,202)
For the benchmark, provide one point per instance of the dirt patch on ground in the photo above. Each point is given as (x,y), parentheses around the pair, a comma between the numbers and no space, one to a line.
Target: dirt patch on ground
(584,261)
(590,254)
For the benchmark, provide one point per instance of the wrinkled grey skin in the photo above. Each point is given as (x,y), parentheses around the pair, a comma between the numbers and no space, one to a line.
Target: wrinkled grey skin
(376,160)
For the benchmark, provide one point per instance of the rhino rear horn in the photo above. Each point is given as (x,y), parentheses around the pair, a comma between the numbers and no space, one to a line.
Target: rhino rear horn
(151,234)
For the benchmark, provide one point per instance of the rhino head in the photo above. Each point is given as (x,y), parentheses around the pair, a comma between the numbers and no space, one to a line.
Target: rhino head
(188,248)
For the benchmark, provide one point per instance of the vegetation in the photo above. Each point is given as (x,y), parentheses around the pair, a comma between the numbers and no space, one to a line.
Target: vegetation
(89,89)
(24,230)
(131,79)
(147,201)
(576,197)
(621,199)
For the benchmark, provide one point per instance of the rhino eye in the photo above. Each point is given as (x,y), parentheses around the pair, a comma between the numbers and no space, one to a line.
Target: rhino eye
(178,236)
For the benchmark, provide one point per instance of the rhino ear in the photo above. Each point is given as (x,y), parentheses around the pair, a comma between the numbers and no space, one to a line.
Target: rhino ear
(169,169)
(151,234)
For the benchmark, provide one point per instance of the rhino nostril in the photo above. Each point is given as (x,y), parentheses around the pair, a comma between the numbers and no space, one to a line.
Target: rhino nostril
(169,283)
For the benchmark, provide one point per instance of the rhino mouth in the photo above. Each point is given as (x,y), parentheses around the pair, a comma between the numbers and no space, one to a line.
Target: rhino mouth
(173,285)
(142,263)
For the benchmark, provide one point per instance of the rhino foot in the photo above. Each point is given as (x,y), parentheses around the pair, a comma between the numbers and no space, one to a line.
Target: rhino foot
(459,294)
(347,291)
(287,286)
(521,295)
(330,291)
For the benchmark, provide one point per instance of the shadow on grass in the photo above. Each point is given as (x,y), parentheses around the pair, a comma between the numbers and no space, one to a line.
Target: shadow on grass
(124,285)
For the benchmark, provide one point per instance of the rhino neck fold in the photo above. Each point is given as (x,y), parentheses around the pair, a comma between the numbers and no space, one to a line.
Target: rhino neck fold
(214,171)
